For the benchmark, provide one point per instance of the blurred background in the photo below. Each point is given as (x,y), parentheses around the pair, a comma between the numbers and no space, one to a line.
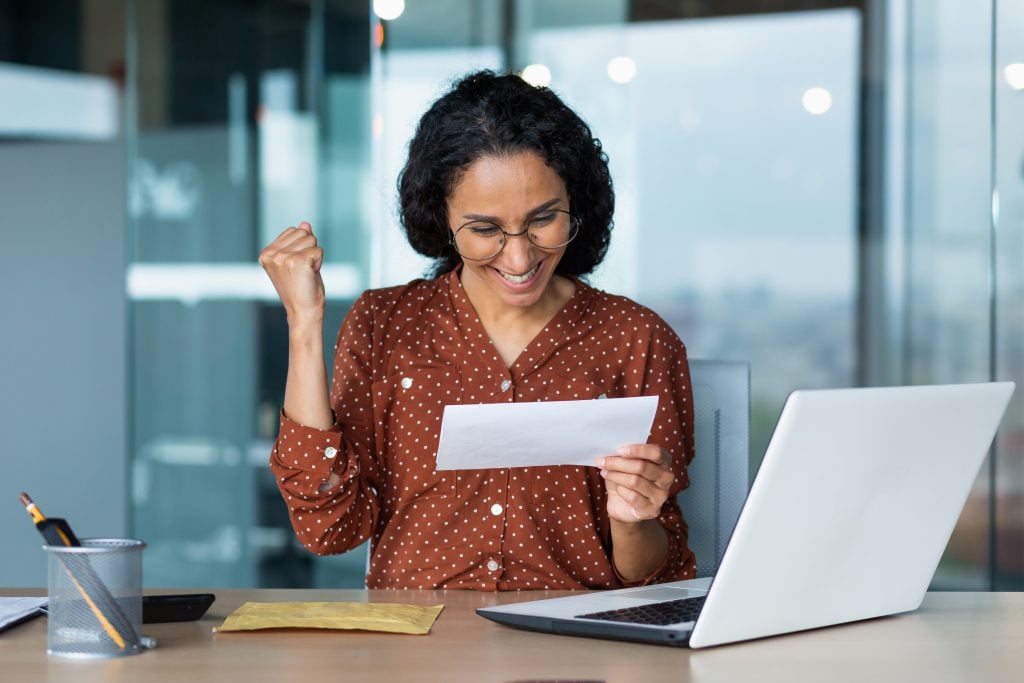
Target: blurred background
(832,191)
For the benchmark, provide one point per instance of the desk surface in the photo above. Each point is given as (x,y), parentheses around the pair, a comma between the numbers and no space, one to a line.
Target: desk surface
(953,637)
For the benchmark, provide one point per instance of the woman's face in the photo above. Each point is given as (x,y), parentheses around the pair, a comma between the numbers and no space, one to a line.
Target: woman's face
(511,192)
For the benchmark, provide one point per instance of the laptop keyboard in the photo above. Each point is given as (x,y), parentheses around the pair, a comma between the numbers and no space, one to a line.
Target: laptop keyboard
(654,614)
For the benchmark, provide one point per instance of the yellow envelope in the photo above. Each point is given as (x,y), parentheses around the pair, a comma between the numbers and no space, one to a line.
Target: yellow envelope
(362,616)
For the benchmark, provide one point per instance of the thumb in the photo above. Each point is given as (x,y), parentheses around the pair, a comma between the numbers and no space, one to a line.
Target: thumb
(304,225)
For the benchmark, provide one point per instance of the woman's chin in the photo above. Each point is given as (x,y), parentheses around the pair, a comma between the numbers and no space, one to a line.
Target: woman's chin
(490,281)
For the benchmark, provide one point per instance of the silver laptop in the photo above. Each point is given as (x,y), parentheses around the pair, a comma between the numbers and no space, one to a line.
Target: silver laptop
(847,518)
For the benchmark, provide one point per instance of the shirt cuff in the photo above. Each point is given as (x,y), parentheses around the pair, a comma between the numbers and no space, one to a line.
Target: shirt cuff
(668,570)
(308,449)
(649,579)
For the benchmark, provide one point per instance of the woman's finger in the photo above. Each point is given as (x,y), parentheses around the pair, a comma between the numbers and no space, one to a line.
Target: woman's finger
(637,484)
(646,451)
(660,476)
(302,259)
(629,506)
(279,257)
(289,234)
(296,239)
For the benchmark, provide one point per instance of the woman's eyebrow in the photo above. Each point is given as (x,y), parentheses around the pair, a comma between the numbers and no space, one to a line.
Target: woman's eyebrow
(494,219)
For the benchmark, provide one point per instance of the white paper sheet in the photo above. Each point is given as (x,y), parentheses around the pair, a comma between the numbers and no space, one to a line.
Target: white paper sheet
(16,610)
(542,433)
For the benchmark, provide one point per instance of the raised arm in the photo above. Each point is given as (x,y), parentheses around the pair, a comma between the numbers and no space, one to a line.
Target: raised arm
(293,262)
(323,460)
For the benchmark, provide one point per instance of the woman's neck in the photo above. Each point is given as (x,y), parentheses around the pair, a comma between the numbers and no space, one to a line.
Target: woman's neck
(512,328)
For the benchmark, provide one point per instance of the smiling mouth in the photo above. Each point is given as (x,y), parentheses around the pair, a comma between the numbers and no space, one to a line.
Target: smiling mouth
(520,279)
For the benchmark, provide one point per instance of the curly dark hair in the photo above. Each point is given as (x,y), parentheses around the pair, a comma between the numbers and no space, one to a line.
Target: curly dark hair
(486,114)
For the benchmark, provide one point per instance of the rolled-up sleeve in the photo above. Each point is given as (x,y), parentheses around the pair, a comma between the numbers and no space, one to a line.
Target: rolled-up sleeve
(333,519)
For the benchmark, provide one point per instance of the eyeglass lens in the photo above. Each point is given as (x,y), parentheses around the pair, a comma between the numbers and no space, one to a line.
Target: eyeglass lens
(548,230)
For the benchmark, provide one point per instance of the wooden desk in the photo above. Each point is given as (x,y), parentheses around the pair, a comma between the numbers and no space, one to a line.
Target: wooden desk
(954,637)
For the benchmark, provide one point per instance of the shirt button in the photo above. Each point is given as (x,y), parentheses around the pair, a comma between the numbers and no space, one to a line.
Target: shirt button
(330,452)
(496,509)
(505,385)
(406,382)
(492,565)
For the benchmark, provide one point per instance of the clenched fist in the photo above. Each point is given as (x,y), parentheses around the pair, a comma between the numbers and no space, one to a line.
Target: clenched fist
(293,263)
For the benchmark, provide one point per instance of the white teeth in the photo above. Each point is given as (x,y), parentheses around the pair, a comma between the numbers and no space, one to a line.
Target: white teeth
(520,279)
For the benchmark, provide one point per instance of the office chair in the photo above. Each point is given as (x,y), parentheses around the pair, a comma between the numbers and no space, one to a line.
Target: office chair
(719,473)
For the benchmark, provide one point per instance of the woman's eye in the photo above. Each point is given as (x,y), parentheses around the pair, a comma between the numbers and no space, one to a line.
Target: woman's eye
(485,230)
(542,219)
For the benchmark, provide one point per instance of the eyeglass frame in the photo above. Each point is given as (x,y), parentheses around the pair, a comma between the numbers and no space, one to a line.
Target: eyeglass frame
(574,222)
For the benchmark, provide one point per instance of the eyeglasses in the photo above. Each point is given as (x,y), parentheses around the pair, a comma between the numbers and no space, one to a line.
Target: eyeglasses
(549,229)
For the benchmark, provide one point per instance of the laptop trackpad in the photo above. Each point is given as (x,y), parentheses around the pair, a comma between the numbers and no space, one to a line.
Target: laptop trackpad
(663,593)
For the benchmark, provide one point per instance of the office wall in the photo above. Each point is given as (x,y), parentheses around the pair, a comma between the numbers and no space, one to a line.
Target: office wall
(62,345)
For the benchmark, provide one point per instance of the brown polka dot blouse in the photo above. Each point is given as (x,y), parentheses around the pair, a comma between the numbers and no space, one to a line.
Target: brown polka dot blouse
(402,354)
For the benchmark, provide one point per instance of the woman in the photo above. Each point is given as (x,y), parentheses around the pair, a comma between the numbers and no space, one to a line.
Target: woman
(506,188)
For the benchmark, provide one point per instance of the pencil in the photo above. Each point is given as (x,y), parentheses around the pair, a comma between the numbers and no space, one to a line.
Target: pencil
(37,514)
(54,531)
(67,538)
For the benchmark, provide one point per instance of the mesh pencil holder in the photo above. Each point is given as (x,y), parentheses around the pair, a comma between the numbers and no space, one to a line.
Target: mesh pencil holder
(95,598)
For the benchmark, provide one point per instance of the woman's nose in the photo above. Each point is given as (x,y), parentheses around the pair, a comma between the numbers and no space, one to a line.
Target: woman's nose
(517,252)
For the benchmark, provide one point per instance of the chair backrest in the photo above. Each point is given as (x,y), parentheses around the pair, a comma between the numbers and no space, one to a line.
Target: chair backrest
(719,473)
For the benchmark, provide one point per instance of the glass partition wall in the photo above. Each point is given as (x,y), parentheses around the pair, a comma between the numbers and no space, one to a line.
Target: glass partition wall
(246,118)
(1005,500)
(831,191)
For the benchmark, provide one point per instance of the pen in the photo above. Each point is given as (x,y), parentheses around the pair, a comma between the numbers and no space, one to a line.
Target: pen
(58,532)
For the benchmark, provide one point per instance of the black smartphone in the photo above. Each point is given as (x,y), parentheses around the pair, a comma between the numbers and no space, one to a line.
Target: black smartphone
(159,609)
